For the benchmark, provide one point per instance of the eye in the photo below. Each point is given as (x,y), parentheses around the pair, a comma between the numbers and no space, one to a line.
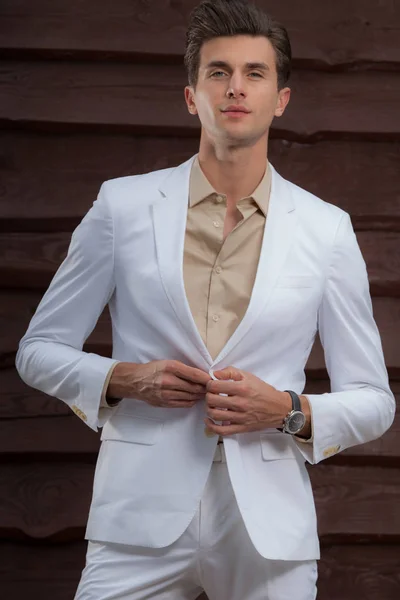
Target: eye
(217,73)
(254,73)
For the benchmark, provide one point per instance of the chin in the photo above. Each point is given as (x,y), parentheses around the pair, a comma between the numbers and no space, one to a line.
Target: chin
(235,134)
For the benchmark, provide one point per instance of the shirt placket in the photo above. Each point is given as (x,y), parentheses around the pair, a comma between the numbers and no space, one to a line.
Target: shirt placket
(216,338)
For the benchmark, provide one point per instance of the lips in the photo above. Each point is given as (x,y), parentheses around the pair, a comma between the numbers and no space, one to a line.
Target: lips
(240,109)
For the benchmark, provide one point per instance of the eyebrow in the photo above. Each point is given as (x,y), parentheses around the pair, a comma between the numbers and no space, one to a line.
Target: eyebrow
(250,65)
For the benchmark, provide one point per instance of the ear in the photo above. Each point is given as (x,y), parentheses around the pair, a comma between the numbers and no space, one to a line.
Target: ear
(189,98)
(283,101)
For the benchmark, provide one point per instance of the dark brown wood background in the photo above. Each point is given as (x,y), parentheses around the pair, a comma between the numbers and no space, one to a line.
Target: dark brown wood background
(94,90)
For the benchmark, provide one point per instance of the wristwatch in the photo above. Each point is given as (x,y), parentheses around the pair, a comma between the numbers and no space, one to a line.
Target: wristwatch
(296,419)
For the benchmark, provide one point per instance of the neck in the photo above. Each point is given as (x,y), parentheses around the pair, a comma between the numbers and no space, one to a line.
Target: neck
(234,171)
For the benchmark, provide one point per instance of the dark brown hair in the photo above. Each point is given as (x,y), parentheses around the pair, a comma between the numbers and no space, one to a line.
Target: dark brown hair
(217,18)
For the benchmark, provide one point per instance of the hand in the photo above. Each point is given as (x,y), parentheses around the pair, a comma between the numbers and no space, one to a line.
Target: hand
(164,383)
(250,404)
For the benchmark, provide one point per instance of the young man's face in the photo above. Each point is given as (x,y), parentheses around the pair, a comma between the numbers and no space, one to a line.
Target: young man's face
(239,71)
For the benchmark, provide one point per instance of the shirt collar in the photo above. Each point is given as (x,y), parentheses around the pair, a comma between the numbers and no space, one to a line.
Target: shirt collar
(200,188)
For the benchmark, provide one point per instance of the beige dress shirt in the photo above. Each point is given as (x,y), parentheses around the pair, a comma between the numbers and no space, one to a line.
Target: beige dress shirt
(219,274)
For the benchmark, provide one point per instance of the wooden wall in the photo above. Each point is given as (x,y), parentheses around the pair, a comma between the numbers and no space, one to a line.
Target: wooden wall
(94,90)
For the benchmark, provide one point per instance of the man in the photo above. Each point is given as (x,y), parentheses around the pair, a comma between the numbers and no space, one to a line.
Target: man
(218,274)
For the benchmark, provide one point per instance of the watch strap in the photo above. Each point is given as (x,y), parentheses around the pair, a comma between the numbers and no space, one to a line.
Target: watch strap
(296,403)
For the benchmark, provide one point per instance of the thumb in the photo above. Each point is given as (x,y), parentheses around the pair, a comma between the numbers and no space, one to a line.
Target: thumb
(229,373)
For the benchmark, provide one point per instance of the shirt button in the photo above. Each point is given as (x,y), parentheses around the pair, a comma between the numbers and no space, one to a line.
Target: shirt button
(217,224)
(215,318)
(219,199)
(218,270)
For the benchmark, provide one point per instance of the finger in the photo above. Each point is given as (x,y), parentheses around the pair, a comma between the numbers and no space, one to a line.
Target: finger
(189,373)
(232,417)
(180,404)
(224,430)
(172,395)
(229,373)
(172,382)
(234,403)
(232,388)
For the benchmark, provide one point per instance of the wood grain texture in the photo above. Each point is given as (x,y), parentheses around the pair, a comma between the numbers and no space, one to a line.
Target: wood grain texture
(51,500)
(142,99)
(50,181)
(371,572)
(357,31)
(29,260)
(53,571)
(42,500)
(358,503)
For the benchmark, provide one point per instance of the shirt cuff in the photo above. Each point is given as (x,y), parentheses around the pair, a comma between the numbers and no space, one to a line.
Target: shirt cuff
(108,402)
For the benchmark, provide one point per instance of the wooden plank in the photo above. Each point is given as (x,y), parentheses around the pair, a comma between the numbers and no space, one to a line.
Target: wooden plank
(49,182)
(147,99)
(53,571)
(18,401)
(51,500)
(359,571)
(29,260)
(17,308)
(359,503)
(43,435)
(346,33)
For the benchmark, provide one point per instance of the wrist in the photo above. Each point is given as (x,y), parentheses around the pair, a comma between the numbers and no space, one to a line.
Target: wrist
(118,384)
(303,407)
(286,404)
(306,432)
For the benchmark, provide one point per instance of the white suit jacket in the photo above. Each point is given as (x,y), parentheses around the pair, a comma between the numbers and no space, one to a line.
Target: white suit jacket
(154,462)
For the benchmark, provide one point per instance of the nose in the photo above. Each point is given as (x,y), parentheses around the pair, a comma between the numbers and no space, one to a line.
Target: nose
(236,87)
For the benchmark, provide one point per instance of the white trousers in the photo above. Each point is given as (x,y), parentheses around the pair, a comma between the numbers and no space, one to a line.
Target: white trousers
(214,554)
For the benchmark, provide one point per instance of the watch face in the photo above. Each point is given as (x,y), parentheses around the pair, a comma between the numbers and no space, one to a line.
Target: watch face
(296,422)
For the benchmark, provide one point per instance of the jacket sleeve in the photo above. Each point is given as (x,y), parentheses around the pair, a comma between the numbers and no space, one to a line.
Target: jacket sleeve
(360,407)
(50,356)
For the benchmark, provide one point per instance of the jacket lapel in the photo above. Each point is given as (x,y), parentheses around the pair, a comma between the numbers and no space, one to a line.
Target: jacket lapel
(169,218)
(278,237)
